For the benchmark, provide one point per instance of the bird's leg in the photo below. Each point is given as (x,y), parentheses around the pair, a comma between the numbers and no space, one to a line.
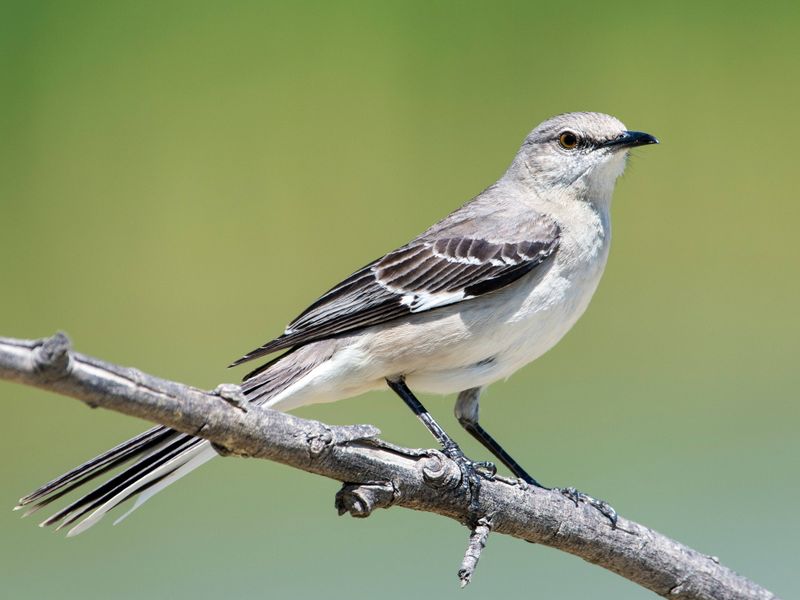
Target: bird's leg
(467,414)
(470,470)
(467,411)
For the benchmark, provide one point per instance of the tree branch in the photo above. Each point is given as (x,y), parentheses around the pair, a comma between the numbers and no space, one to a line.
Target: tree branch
(377,474)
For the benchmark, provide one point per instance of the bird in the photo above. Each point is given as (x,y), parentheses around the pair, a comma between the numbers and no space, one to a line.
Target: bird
(478,295)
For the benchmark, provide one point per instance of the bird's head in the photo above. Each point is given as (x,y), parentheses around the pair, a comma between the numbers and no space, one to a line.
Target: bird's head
(584,152)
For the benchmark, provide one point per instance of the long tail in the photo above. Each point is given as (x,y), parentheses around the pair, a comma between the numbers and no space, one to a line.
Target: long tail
(161,455)
(164,456)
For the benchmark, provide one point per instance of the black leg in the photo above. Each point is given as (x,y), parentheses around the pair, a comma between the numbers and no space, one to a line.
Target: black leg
(471,471)
(467,412)
(401,389)
(480,434)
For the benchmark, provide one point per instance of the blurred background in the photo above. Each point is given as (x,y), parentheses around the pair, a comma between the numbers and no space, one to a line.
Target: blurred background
(178,180)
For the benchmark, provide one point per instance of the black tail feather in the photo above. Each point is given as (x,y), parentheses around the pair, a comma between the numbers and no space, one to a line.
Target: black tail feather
(120,482)
(97,466)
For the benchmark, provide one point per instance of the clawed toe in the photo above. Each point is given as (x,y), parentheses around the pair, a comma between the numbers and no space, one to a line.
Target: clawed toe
(485,469)
(602,506)
(471,472)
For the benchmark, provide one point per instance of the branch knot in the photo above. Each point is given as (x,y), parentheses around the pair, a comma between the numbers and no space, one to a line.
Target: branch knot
(318,441)
(232,394)
(360,499)
(440,472)
(51,358)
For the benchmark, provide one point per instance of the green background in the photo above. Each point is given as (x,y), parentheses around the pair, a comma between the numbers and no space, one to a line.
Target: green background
(178,180)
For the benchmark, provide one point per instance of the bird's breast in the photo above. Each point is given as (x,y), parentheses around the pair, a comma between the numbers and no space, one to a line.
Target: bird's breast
(554,303)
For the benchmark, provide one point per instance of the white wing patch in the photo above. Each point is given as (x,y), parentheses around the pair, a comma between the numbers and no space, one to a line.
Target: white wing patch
(423,301)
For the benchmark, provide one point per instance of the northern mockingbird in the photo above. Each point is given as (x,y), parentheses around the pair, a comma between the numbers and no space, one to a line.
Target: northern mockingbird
(484,291)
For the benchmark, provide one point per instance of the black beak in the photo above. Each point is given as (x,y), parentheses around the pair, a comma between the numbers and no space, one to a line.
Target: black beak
(631,139)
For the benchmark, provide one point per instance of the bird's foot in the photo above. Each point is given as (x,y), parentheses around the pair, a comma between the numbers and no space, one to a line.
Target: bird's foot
(471,472)
(600,505)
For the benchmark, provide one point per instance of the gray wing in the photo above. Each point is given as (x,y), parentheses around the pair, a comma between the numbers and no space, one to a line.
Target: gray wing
(426,274)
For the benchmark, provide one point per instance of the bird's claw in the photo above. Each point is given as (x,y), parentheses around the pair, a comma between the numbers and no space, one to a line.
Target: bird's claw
(485,469)
(471,472)
(603,507)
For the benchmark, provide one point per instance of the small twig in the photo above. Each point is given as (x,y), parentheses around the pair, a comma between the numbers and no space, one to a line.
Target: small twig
(477,542)
(379,474)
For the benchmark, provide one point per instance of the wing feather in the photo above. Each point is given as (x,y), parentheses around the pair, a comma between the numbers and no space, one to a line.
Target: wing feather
(424,275)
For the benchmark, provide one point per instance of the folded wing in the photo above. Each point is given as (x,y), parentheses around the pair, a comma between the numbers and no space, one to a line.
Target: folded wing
(424,275)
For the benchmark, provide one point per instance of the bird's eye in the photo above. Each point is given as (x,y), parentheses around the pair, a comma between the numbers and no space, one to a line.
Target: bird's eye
(568,140)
